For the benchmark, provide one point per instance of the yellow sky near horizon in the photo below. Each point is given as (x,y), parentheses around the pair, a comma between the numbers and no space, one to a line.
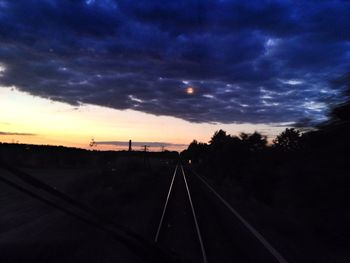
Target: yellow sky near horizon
(58,123)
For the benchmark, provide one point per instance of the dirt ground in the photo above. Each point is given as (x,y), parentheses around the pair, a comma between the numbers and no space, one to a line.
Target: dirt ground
(32,231)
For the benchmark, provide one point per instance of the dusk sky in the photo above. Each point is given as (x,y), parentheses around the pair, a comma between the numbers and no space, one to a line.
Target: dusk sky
(166,72)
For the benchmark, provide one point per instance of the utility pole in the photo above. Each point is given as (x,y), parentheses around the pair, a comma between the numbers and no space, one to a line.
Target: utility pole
(146,162)
(145,148)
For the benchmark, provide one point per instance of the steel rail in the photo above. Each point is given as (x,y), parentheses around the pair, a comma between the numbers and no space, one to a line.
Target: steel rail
(165,206)
(204,255)
(252,230)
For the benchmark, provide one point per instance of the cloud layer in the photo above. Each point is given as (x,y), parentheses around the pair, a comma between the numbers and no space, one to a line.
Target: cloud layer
(247,61)
(141,144)
(17,133)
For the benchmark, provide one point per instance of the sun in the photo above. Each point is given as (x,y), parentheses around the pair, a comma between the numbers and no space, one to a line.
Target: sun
(190,90)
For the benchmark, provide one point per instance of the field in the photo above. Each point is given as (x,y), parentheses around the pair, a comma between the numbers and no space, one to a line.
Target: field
(125,192)
(59,208)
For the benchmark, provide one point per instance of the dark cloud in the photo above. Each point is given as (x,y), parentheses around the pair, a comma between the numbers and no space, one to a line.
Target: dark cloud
(248,61)
(151,144)
(17,133)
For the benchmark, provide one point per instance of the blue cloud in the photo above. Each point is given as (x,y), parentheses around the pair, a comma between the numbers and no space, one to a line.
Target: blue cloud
(253,61)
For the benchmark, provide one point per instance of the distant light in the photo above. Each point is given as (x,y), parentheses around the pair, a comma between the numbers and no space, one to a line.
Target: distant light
(190,90)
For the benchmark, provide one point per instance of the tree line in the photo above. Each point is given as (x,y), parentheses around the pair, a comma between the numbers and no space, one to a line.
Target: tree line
(304,175)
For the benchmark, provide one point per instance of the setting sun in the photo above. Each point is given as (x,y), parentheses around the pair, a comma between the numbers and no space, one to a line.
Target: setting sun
(189,90)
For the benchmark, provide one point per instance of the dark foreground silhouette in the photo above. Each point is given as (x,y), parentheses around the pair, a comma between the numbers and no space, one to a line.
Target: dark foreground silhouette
(295,192)
(302,175)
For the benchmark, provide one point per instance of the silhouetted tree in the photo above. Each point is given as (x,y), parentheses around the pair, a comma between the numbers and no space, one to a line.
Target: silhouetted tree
(341,112)
(253,142)
(92,143)
(195,151)
(219,139)
(288,140)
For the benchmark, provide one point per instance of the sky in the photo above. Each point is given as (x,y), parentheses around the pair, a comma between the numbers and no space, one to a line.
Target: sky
(166,72)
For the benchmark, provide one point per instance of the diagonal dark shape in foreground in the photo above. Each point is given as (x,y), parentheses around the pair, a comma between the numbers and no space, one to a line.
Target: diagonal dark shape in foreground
(144,249)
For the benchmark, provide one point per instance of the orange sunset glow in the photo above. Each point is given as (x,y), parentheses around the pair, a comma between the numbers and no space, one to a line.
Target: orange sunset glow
(34,120)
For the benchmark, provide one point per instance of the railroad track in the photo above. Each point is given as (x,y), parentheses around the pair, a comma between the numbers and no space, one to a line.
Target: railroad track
(201,226)
(196,222)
